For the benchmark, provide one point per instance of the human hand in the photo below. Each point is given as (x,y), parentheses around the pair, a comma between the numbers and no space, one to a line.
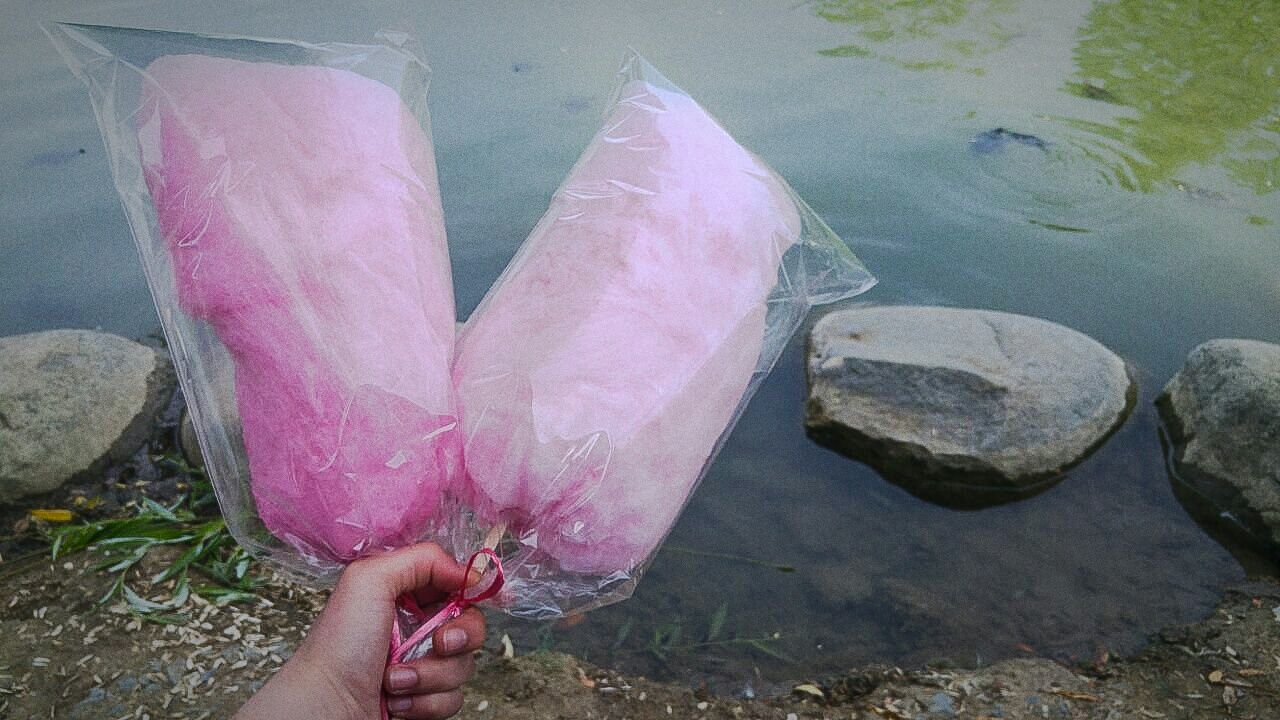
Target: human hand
(338,671)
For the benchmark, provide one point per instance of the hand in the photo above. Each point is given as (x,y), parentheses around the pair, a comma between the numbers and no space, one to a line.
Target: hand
(338,671)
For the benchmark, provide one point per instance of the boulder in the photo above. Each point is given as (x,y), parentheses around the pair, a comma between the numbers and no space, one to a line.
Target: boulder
(966,408)
(1222,416)
(70,402)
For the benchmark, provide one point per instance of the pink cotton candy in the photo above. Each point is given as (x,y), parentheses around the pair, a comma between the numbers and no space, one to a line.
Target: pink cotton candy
(598,375)
(301,210)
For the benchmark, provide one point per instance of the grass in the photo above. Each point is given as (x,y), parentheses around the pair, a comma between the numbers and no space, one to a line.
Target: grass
(223,570)
(668,639)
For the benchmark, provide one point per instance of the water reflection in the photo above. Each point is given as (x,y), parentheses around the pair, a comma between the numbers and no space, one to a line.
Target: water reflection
(1193,82)
(921,34)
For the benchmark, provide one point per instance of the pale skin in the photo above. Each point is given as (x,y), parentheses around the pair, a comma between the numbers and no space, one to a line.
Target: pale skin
(339,671)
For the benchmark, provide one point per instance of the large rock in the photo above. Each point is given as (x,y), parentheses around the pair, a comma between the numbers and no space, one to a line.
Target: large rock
(1222,412)
(962,407)
(71,401)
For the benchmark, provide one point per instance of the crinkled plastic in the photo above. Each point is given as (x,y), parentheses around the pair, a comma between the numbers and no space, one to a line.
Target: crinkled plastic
(600,375)
(284,201)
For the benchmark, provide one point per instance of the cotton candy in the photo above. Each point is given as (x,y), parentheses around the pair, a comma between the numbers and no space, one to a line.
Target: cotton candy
(598,375)
(301,212)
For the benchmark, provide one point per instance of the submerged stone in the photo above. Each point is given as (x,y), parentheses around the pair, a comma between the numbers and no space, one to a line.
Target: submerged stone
(1222,414)
(965,408)
(993,141)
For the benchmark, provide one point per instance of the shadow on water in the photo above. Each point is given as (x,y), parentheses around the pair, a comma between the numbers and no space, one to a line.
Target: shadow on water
(1222,514)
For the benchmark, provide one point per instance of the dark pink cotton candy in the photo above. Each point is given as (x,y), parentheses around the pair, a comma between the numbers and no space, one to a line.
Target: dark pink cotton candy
(300,208)
(597,376)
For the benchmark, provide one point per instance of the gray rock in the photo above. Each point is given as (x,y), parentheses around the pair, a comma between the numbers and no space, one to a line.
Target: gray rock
(942,705)
(1222,413)
(962,407)
(72,401)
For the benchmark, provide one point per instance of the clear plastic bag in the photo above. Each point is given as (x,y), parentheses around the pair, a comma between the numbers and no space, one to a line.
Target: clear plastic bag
(284,201)
(602,372)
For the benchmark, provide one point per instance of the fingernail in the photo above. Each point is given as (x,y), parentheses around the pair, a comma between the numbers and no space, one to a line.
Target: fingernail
(402,678)
(399,704)
(453,640)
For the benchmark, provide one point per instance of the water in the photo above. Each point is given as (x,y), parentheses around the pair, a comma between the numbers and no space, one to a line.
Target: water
(1147,221)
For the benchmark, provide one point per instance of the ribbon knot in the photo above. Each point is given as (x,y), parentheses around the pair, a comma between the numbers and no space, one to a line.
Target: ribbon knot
(458,603)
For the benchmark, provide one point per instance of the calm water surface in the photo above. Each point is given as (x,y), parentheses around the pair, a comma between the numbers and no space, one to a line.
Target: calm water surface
(1148,221)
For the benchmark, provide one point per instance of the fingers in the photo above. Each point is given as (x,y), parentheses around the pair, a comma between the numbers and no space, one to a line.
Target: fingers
(462,635)
(428,675)
(423,569)
(425,707)
(357,619)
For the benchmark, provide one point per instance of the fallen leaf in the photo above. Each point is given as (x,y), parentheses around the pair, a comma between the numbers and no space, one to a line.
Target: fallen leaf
(1228,695)
(54,515)
(1251,672)
(809,689)
(1151,713)
(1215,677)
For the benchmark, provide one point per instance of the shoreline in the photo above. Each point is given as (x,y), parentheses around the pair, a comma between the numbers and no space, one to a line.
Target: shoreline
(66,656)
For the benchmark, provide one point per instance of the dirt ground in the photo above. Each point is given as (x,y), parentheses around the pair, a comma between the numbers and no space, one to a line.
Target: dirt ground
(61,656)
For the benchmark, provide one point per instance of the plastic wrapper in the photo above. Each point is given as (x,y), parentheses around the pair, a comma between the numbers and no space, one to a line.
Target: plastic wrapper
(284,201)
(600,375)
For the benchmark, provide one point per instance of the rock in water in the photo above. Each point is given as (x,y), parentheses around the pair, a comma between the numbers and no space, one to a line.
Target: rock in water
(962,407)
(72,401)
(1222,411)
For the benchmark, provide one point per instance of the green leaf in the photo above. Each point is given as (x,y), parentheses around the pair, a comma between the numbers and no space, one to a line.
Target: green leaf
(111,591)
(158,509)
(143,605)
(222,595)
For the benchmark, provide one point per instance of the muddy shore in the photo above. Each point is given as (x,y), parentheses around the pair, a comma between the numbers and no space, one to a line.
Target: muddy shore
(62,656)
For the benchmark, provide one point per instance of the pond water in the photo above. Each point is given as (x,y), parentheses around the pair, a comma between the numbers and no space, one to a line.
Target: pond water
(1146,218)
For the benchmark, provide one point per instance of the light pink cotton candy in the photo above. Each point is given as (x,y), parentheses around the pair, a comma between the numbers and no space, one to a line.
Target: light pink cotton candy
(301,210)
(598,375)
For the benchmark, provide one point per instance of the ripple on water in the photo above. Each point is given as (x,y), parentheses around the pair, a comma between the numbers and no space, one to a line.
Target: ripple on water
(1072,181)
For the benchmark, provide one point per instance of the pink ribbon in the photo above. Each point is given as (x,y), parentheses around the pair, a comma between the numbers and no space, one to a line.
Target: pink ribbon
(458,603)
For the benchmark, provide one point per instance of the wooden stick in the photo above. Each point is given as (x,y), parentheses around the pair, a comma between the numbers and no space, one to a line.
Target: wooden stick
(491,541)
(495,536)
